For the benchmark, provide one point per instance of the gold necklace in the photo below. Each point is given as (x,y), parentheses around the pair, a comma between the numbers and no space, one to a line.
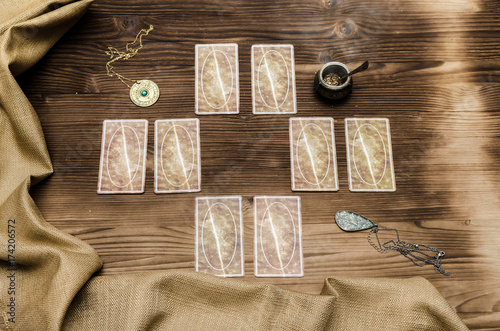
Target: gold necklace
(143,93)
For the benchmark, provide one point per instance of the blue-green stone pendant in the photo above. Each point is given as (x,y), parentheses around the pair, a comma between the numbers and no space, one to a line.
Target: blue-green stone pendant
(349,221)
(419,254)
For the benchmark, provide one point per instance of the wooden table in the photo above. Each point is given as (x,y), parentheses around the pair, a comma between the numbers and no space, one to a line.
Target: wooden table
(434,73)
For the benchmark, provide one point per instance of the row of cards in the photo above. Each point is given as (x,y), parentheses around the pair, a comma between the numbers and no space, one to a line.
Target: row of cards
(277,236)
(369,155)
(124,149)
(217,79)
(312,155)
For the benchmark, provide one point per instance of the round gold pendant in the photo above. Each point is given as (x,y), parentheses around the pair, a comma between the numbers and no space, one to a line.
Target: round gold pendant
(144,93)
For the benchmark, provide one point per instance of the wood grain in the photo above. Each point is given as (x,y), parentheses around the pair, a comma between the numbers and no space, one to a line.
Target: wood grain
(435,73)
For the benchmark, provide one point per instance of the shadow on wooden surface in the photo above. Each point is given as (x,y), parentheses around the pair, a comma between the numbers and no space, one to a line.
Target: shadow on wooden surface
(435,73)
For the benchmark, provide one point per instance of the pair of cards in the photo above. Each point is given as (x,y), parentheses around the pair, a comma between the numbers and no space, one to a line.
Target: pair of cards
(277,236)
(124,150)
(217,79)
(369,155)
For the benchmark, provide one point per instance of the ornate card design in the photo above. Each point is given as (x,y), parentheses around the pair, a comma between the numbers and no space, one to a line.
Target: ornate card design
(123,156)
(219,236)
(177,156)
(217,79)
(273,79)
(369,155)
(312,154)
(278,237)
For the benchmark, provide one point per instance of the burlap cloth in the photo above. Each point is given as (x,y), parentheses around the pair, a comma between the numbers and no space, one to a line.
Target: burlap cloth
(53,284)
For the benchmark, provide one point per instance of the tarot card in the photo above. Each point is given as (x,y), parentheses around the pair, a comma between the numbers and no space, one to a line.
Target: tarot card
(177,156)
(369,155)
(312,154)
(219,236)
(273,79)
(217,79)
(123,156)
(278,237)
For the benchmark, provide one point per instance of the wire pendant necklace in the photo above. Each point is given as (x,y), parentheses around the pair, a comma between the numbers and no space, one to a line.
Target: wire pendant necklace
(419,254)
(143,93)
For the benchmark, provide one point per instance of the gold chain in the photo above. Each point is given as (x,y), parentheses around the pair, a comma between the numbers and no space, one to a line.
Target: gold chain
(130,52)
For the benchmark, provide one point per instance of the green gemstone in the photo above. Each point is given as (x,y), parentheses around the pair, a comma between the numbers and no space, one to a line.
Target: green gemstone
(144,93)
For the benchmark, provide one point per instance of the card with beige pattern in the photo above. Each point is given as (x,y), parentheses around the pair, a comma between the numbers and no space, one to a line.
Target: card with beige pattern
(219,236)
(273,79)
(278,237)
(217,79)
(123,156)
(177,156)
(369,155)
(312,154)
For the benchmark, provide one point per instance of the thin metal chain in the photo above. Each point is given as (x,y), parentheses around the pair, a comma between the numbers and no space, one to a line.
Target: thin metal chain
(417,253)
(130,52)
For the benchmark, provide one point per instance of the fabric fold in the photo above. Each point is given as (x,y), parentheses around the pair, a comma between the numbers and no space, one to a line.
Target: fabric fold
(389,304)
(184,300)
(46,266)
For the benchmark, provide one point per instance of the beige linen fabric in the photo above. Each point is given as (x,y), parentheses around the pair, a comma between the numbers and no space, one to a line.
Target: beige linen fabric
(180,300)
(53,285)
